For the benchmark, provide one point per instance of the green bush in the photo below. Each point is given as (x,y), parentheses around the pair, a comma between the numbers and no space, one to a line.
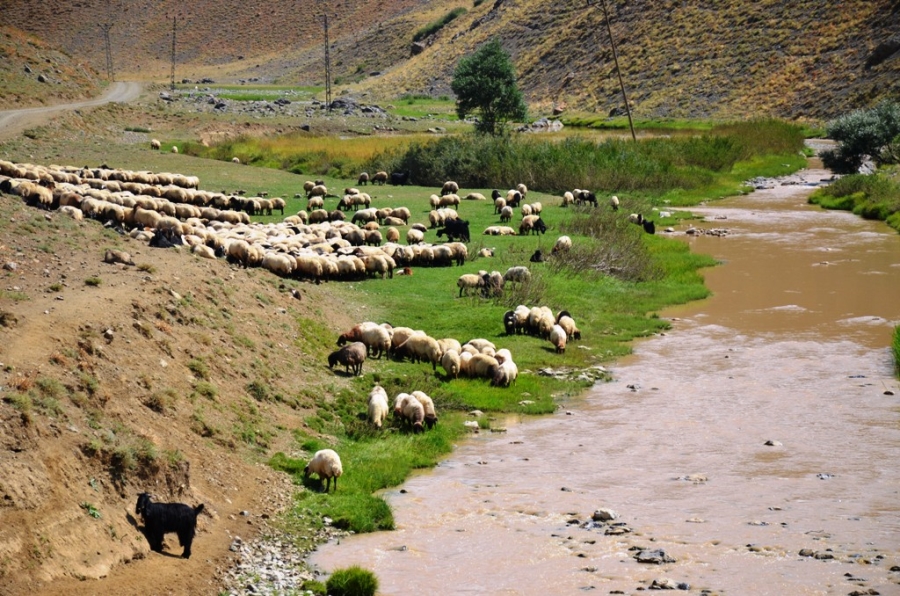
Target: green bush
(435,26)
(352,581)
(873,133)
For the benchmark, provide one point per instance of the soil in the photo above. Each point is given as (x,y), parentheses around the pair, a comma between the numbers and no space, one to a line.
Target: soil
(117,379)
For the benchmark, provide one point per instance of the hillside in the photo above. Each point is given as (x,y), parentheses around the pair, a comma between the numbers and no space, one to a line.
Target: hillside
(34,72)
(176,375)
(679,59)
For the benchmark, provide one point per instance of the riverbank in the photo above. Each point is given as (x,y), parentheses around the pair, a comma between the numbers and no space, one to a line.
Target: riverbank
(715,444)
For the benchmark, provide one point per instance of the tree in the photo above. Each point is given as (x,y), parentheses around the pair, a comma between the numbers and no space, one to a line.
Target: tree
(873,133)
(485,83)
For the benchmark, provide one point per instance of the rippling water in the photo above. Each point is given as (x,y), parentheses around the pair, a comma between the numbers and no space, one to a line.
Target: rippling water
(791,349)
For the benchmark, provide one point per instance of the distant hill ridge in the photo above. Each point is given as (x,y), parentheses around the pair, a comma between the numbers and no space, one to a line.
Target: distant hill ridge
(720,59)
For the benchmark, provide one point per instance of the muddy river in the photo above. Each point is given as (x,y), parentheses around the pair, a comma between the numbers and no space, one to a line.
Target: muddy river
(762,426)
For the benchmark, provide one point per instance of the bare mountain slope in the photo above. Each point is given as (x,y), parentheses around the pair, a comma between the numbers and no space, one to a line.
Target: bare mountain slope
(718,59)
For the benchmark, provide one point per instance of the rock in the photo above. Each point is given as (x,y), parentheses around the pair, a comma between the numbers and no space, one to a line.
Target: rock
(806,552)
(604,515)
(653,557)
(663,584)
(772,443)
(11,266)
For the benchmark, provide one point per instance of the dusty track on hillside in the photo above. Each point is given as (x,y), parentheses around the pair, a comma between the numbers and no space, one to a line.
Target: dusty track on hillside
(13,122)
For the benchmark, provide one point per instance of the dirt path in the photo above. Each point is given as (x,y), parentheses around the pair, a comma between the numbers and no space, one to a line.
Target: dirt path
(13,122)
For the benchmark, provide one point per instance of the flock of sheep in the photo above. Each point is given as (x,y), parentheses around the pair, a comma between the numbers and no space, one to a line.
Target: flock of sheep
(477,358)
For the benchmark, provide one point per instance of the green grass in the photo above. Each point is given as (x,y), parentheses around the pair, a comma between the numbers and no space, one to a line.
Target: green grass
(435,26)
(895,347)
(875,196)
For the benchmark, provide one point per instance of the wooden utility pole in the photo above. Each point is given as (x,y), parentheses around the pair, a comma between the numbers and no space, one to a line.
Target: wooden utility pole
(174,30)
(327,67)
(612,44)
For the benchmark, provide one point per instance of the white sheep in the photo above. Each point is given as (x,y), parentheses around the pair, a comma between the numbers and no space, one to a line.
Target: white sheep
(506,214)
(475,196)
(558,338)
(614,202)
(155,144)
(378,406)
(519,273)
(563,244)
(505,374)
(174,149)
(412,410)
(421,347)
(568,199)
(428,405)
(326,463)
(414,236)
(450,361)
(568,324)
(469,281)
(449,187)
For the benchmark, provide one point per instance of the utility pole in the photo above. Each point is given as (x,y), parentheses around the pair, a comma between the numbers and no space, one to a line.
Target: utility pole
(105,27)
(327,67)
(612,43)
(174,29)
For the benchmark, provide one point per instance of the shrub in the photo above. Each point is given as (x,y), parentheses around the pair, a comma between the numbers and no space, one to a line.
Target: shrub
(864,133)
(435,26)
(352,581)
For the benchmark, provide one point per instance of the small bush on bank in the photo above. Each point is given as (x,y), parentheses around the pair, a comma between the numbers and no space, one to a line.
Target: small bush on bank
(352,581)
(435,26)
(895,346)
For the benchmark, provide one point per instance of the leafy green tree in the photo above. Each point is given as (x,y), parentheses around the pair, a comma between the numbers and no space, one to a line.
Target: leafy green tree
(873,133)
(485,84)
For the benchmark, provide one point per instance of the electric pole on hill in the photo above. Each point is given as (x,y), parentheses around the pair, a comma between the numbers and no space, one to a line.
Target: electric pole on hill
(105,27)
(327,66)
(174,29)
(612,44)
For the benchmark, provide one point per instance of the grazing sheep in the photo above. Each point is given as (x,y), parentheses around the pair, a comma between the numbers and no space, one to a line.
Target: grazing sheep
(412,410)
(378,406)
(376,338)
(499,204)
(450,362)
(363,178)
(155,144)
(479,343)
(428,405)
(236,159)
(568,324)
(526,210)
(506,214)
(519,273)
(558,338)
(614,202)
(319,190)
(481,366)
(563,244)
(414,236)
(469,281)
(174,149)
(326,464)
(421,347)
(350,356)
(393,235)
(505,374)
(523,190)
(449,187)
(568,199)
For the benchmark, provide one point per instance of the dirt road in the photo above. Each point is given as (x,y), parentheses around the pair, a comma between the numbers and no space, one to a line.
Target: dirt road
(13,122)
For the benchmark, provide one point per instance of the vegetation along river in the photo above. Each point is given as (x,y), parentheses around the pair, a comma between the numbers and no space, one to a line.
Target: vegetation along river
(791,350)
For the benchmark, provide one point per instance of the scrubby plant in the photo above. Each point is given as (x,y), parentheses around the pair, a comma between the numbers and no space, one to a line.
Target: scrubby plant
(435,26)
(352,581)
(872,133)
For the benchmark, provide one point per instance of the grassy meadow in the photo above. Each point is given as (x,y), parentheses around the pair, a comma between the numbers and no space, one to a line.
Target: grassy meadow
(613,282)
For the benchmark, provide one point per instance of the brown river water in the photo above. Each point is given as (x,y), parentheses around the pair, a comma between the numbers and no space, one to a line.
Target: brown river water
(792,348)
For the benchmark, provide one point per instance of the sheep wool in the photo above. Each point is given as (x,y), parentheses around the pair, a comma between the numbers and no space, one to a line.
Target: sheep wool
(326,464)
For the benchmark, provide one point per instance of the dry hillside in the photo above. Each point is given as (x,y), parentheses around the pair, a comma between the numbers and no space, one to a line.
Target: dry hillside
(680,59)
(176,375)
(33,72)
